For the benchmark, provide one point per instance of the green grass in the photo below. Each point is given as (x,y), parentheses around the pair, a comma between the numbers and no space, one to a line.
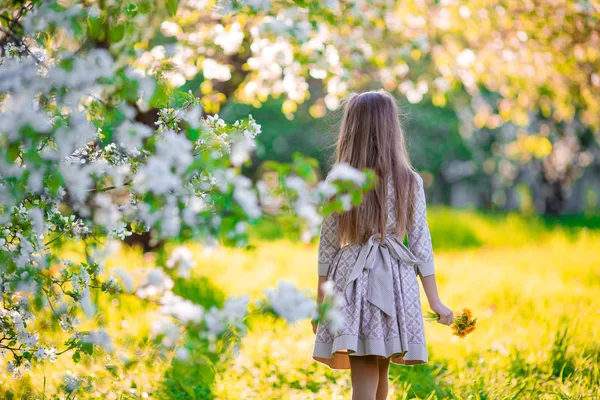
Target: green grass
(533,283)
(456,229)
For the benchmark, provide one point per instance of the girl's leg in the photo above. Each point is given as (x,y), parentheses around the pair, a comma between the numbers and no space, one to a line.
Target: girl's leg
(365,377)
(382,385)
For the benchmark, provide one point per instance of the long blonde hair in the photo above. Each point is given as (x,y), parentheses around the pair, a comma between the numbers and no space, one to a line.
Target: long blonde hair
(371,136)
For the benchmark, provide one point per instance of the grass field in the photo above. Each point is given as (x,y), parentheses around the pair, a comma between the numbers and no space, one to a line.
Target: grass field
(534,285)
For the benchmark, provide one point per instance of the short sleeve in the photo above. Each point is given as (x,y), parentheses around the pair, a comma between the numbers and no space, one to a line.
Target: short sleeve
(329,244)
(419,236)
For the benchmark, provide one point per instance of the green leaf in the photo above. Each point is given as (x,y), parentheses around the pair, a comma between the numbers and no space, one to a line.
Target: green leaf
(87,348)
(5,18)
(160,97)
(14,151)
(112,369)
(193,134)
(116,33)
(144,7)
(95,30)
(76,357)
(53,181)
(172,6)
(132,9)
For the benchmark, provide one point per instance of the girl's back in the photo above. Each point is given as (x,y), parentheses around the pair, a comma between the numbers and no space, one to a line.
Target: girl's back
(362,252)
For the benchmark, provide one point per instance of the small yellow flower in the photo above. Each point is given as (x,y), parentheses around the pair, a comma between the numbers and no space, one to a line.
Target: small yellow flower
(464,323)
(467,313)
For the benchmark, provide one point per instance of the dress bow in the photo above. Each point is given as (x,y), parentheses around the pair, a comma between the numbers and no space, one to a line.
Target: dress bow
(375,255)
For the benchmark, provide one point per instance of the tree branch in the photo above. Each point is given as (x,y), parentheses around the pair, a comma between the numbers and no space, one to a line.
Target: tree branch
(21,43)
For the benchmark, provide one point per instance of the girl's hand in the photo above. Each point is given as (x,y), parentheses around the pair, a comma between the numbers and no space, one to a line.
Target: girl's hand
(446,314)
(314,326)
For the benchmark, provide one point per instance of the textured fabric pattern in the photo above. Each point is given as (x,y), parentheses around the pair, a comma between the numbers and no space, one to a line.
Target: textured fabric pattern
(419,237)
(367,330)
(329,244)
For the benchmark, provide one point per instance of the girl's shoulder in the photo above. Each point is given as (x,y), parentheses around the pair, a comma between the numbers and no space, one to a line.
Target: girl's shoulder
(418,178)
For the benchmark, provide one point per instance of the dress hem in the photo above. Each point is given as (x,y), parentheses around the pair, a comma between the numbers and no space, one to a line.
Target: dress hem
(336,355)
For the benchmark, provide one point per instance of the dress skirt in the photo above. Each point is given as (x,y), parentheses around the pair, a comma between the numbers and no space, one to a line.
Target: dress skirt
(366,329)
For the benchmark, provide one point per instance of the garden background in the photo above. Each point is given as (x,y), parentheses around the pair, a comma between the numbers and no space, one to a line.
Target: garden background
(162,183)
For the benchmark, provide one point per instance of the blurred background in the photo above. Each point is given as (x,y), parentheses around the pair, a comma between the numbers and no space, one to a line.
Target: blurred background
(549,175)
(500,101)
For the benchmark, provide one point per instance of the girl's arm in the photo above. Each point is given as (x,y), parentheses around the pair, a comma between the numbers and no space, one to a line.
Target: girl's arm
(419,243)
(430,287)
(329,245)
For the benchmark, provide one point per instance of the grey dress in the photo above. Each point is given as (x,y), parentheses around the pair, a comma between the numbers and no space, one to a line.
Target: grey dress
(378,282)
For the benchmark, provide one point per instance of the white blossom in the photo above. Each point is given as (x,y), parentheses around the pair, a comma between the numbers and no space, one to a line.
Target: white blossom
(170,331)
(182,353)
(50,354)
(290,303)
(346,202)
(333,317)
(213,70)
(345,172)
(12,368)
(193,116)
(130,135)
(125,279)
(241,150)
(181,258)
(68,323)
(156,282)
(99,337)
(233,313)
(182,309)
(246,196)
(163,171)
(229,40)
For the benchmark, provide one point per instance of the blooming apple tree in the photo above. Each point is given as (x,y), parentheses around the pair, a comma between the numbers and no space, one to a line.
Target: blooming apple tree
(80,163)
(522,76)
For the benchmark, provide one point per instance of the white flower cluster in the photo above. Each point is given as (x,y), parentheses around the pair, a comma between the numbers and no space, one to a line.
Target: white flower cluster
(345,172)
(173,62)
(157,282)
(163,172)
(181,309)
(181,258)
(290,303)
(72,142)
(308,198)
(306,206)
(216,321)
(229,39)
(213,70)
(232,314)
(130,135)
(287,48)
(68,323)
(100,338)
(333,317)
(244,144)
(166,328)
(243,192)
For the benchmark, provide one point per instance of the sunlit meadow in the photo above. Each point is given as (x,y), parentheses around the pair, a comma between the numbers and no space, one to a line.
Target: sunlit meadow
(161,125)
(532,284)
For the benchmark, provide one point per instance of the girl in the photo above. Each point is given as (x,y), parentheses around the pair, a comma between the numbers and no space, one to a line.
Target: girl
(362,252)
